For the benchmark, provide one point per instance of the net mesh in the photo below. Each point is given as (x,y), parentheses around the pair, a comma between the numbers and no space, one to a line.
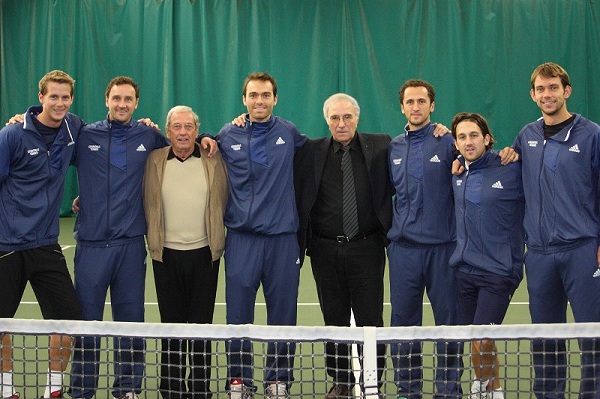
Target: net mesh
(30,344)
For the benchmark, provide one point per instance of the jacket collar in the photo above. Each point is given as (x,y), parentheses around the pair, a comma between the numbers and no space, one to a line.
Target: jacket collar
(487,158)
(269,123)
(64,132)
(563,135)
(422,132)
(112,123)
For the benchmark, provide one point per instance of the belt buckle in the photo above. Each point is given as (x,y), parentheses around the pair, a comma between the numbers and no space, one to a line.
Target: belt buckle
(343,238)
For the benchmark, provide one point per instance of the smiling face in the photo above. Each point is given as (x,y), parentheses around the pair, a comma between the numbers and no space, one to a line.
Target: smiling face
(121,102)
(259,100)
(56,102)
(470,141)
(417,107)
(551,95)
(182,132)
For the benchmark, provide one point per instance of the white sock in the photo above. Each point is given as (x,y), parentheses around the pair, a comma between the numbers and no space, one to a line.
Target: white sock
(6,382)
(53,382)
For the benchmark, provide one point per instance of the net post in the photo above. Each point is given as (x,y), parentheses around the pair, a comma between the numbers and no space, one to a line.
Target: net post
(370,362)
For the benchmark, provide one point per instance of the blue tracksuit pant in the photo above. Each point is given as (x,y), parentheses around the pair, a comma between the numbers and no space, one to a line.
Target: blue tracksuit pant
(122,268)
(553,278)
(414,268)
(273,260)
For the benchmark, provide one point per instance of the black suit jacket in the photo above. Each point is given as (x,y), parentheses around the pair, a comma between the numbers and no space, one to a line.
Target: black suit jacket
(309,162)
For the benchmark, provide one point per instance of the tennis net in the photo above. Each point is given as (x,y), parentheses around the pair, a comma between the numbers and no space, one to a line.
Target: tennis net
(29,344)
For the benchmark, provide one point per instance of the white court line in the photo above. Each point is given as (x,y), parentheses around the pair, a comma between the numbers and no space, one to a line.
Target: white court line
(258,303)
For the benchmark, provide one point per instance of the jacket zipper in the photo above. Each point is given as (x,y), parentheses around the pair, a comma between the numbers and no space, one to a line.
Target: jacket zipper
(106,235)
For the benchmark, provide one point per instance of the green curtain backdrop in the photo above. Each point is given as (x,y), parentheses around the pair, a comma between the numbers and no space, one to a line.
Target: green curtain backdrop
(478,54)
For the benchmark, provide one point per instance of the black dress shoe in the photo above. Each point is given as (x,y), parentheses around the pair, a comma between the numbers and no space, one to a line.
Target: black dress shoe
(338,391)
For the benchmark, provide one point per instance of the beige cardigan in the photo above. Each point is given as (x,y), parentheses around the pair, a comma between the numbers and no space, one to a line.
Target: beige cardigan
(216,178)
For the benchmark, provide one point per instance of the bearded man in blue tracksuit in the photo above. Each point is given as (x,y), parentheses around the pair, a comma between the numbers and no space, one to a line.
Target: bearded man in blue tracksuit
(262,222)
(34,158)
(560,153)
(422,239)
(488,258)
(110,228)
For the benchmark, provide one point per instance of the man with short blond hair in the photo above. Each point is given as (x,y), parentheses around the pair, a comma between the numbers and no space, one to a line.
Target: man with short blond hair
(34,157)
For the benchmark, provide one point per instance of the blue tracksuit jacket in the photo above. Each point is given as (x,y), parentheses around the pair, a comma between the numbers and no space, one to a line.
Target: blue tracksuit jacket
(420,170)
(32,178)
(560,179)
(110,161)
(261,198)
(489,204)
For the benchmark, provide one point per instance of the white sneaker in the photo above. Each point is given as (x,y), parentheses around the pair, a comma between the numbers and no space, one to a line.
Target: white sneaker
(237,390)
(276,390)
(496,394)
(479,389)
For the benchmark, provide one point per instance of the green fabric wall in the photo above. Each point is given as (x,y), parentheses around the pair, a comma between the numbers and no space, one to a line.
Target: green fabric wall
(478,54)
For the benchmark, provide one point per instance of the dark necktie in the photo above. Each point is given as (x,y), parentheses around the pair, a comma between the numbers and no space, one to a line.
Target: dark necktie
(349,211)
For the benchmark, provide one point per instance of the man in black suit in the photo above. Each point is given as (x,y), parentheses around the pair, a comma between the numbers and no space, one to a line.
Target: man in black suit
(347,265)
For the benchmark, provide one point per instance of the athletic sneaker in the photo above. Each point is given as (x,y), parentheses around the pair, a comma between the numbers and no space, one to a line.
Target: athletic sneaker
(55,395)
(479,389)
(13,396)
(237,390)
(276,390)
(496,394)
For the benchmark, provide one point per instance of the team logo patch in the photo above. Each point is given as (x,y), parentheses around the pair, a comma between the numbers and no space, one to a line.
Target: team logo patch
(459,183)
(141,148)
(397,161)
(33,151)
(94,147)
(279,141)
(498,184)
(532,143)
(236,147)
(575,148)
(435,158)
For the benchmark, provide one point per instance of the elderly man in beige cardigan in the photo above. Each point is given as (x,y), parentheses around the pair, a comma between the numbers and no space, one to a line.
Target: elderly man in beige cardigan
(185,193)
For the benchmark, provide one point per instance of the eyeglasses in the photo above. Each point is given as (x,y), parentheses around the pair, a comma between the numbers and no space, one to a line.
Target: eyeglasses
(189,127)
(338,118)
